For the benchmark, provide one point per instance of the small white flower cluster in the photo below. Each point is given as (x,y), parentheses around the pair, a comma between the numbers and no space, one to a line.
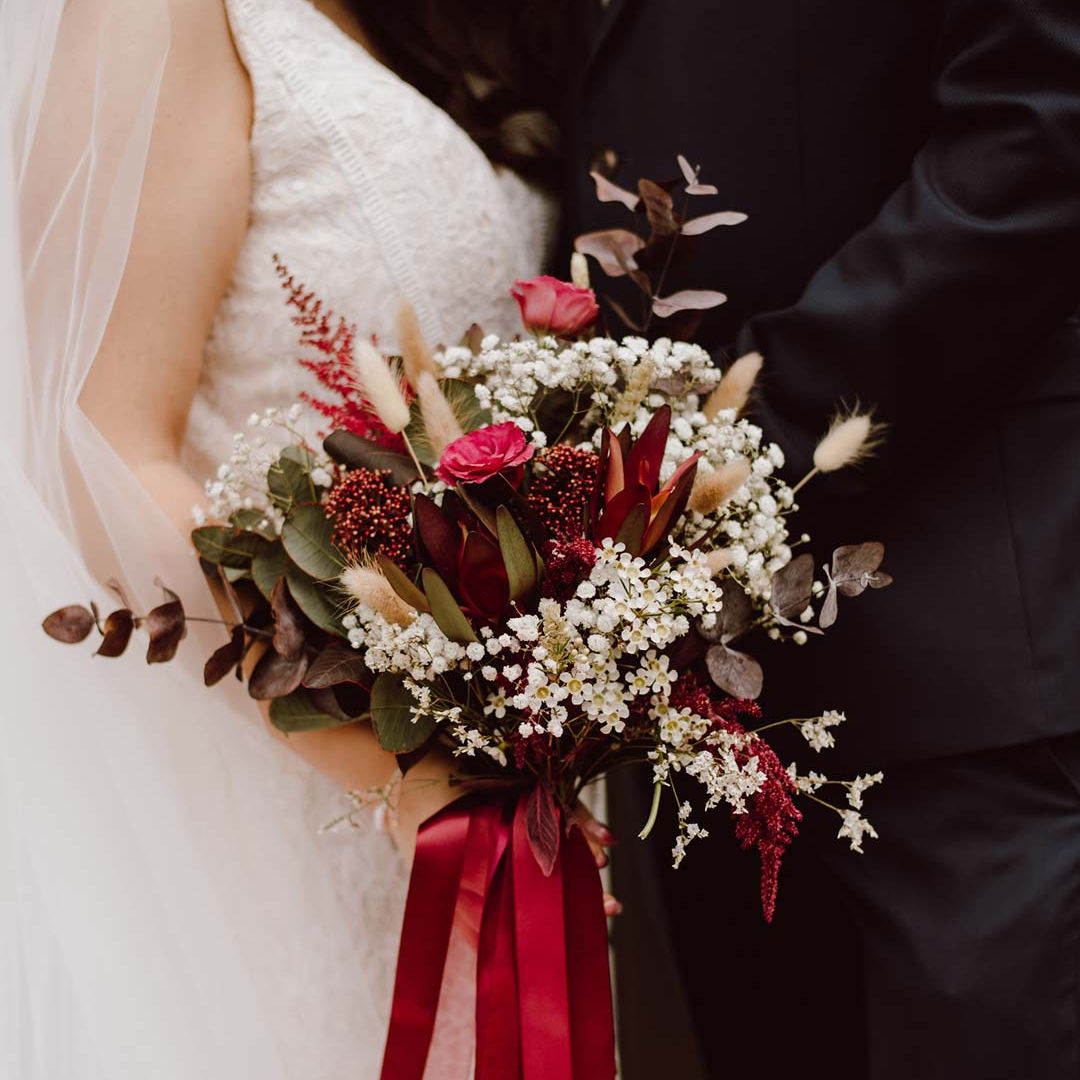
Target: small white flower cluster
(420,651)
(854,827)
(816,731)
(240,483)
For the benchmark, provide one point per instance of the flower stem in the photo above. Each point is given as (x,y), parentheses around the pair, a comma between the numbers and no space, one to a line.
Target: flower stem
(653,811)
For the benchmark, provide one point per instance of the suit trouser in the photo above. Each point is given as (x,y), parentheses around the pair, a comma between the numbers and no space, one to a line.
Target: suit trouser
(951,949)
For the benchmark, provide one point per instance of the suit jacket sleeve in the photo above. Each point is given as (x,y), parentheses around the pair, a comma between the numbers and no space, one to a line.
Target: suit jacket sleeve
(945,302)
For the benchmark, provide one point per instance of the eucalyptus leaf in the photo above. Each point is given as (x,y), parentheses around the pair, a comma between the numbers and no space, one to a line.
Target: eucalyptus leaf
(392,715)
(315,599)
(225,546)
(252,521)
(225,659)
(854,564)
(116,633)
(308,539)
(275,676)
(354,451)
(70,624)
(699,225)
(288,622)
(687,300)
(337,663)
(166,626)
(298,711)
(829,608)
(791,587)
(734,672)
(268,567)
(289,479)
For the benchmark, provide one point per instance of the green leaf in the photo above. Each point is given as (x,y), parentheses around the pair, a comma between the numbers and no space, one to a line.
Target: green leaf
(517,555)
(252,521)
(401,584)
(315,600)
(392,711)
(289,479)
(308,538)
(236,573)
(225,546)
(298,712)
(445,609)
(268,567)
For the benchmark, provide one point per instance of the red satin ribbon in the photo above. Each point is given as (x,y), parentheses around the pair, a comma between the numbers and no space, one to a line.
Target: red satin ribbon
(543,992)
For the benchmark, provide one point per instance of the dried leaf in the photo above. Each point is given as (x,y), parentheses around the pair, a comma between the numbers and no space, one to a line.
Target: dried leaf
(687,299)
(613,249)
(337,663)
(70,624)
(659,208)
(542,827)
(699,225)
(791,587)
(225,659)
(734,672)
(854,564)
(702,189)
(288,622)
(690,173)
(829,608)
(166,626)
(117,633)
(607,192)
(275,676)
(736,611)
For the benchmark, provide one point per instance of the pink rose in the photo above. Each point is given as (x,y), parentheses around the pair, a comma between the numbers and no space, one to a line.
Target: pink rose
(550,306)
(485,453)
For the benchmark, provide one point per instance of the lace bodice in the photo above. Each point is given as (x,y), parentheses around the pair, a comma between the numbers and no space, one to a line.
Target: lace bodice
(368,193)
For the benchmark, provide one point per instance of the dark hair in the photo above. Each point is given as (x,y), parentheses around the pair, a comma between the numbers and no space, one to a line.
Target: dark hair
(500,68)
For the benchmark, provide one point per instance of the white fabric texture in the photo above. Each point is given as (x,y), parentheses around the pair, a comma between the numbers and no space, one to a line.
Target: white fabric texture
(168,906)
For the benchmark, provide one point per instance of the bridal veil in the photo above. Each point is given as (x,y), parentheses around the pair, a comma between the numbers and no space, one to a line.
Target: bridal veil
(162,911)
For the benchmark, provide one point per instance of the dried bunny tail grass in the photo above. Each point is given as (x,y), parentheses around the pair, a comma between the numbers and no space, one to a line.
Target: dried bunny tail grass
(441,425)
(381,387)
(851,438)
(367,586)
(718,559)
(735,386)
(415,354)
(637,390)
(712,489)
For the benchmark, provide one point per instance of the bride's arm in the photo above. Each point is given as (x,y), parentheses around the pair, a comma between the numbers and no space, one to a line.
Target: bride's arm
(192,219)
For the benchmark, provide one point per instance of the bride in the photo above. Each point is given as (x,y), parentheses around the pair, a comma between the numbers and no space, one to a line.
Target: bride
(172,908)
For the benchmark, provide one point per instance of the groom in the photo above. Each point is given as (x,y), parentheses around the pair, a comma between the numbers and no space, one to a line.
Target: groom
(911,171)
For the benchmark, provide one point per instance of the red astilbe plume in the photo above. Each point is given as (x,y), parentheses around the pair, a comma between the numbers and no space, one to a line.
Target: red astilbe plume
(561,490)
(370,516)
(333,339)
(772,819)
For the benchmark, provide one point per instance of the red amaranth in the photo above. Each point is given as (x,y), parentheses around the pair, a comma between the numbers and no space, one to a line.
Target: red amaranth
(334,339)
(772,819)
(567,564)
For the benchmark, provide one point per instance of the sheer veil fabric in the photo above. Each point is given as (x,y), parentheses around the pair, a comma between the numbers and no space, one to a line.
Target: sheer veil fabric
(164,912)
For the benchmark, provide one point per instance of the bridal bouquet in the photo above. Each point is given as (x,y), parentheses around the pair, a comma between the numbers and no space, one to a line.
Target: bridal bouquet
(545,555)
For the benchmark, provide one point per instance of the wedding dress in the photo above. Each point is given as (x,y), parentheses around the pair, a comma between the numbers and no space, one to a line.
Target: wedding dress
(171,906)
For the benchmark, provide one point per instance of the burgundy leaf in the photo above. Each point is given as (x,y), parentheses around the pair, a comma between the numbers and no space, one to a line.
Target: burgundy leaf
(325,700)
(699,225)
(225,659)
(337,663)
(166,626)
(687,299)
(606,191)
(275,676)
(288,622)
(70,624)
(440,537)
(117,633)
(542,827)
(734,672)
(674,504)
(646,456)
(613,249)
(354,451)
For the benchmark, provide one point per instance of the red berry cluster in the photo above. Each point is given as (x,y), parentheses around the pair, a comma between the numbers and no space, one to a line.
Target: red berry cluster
(371,516)
(563,482)
(567,564)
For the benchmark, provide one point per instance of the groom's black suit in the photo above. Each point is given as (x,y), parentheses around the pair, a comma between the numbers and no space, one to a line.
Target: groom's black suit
(912,174)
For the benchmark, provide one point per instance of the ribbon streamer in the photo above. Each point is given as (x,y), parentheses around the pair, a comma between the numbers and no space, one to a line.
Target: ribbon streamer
(543,991)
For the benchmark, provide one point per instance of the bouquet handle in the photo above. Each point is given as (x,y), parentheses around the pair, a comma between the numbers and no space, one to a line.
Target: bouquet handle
(543,990)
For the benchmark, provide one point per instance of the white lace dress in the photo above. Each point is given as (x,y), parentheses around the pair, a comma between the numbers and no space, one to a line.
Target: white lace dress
(368,193)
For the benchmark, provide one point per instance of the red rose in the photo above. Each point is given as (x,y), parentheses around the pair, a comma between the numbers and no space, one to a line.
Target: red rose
(484,453)
(550,306)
